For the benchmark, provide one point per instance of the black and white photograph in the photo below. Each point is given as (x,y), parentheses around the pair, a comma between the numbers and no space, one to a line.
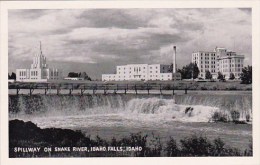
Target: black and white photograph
(130,82)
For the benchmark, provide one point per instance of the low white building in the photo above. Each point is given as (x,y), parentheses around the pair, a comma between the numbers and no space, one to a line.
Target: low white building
(145,72)
(39,71)
(139,72)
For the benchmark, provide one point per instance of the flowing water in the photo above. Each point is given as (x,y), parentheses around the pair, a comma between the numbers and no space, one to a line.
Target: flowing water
(119,115)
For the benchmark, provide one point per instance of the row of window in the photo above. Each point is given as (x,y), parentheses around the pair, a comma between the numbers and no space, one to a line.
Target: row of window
(206,54)
(131,72)
(34,73)
(125,79)
(137,68)
(54,73)
(207,66)
(229,60)
(231,70)
(212,71)
(35,78)
(137,76)
(236,66)
(22,73)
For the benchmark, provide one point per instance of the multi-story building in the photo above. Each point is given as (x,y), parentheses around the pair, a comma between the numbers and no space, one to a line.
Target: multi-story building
(219,60)
(39,71)
(139,72)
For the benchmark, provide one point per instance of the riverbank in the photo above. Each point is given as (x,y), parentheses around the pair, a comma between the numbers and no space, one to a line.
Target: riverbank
(28,140)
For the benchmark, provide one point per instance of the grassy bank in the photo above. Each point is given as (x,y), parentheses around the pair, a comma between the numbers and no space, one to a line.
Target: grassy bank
(27,134)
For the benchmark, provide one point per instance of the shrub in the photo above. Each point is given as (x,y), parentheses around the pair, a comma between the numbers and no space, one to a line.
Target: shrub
(218,147)
(172,148)
(204,88)
(208,75)
(195,146)
(232,88)
(231,76)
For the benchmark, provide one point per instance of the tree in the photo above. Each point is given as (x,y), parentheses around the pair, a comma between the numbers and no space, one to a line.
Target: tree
(246,75)
(231,76)
(221,77)
(196,70)
(189,71)
(80,74)
(208,75)
(73,74)
(85,76)
(12,76)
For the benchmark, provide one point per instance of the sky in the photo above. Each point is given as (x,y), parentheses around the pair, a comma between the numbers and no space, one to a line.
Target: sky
(95,41)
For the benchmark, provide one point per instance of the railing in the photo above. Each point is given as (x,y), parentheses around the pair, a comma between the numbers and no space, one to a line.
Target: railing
(95,87)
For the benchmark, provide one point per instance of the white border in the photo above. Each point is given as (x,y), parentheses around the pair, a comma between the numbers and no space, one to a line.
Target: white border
(254,4)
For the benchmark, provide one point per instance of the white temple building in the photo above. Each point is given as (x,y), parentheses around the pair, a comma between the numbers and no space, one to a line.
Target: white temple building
(39,71)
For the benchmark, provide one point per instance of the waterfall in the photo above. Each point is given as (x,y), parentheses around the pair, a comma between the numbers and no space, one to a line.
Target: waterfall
(132,106)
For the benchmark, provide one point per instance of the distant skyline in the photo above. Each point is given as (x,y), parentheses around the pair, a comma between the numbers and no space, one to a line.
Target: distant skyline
(95,41)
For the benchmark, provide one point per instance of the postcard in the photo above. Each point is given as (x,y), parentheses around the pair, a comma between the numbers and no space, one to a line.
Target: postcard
(132,82)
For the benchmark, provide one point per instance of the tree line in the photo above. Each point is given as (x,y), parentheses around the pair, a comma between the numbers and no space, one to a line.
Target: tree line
(191,71)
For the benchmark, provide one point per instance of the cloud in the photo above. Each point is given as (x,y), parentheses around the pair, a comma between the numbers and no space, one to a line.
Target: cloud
(84,38)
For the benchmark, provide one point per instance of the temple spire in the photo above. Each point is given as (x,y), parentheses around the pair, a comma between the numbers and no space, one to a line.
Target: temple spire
(40,47)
